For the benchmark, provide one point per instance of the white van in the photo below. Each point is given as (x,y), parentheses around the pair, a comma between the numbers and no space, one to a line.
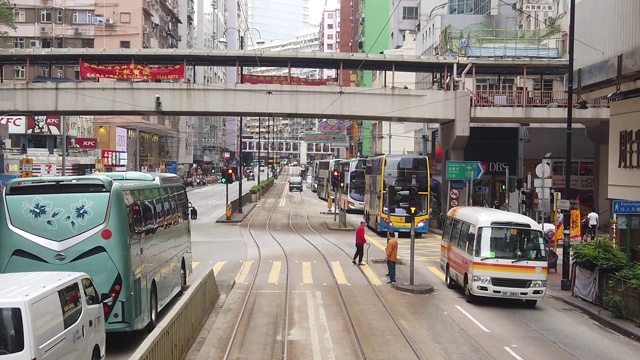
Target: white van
(51,315)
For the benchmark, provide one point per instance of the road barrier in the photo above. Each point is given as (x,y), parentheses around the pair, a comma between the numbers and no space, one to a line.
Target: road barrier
(174,335)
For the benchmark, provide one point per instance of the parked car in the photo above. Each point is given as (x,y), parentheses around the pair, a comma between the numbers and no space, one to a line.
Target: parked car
(251,176)
(295,183)
(55,314)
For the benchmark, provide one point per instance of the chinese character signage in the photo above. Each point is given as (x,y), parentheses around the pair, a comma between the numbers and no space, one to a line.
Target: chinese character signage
(121,139)
(329,138)
(82,143)
(285,80)
(629,150)
(131,72)
(538,7)
(114,158)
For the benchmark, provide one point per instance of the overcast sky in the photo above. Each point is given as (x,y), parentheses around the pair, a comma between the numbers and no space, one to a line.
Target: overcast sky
(316,7)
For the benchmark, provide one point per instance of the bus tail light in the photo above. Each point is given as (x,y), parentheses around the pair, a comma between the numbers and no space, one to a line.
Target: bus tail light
(115,293)
(106,234)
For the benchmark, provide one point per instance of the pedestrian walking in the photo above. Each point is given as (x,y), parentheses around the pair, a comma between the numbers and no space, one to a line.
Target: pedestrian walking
(594,221)
(392,257)
(360,241)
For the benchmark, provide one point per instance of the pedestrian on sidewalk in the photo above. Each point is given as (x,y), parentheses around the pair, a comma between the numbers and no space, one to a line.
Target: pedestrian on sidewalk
(594,222)
(360,241)
(392,257)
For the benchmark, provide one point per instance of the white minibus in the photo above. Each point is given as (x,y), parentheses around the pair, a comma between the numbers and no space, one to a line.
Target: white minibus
(51,315)
(494,253)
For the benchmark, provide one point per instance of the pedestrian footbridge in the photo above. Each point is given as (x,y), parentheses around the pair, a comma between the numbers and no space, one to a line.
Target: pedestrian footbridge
(332,102)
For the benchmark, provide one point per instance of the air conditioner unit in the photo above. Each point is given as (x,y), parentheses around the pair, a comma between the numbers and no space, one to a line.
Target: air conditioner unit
(44,29)
(109,21)
(34,43)
(493,81)
(145,45)
(77,30)
(146,29)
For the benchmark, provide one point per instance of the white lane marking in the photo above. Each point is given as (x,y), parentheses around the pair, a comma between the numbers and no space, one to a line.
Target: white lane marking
(284,196)
(313,328)
(513,353)
(472,319)
(328,344)
(275,272)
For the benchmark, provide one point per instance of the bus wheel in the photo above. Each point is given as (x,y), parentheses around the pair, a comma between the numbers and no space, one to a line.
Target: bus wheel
(183,279)
(467,291)
(447,279)
(153,309)
(531,303)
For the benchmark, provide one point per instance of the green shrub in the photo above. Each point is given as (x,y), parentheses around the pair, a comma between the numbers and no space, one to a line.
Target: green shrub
(255,189)
(599,255)
(615,306)
(632,274)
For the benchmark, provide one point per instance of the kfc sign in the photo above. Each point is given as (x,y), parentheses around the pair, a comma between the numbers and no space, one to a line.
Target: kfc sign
(82,143)
(17,124)
(44,125)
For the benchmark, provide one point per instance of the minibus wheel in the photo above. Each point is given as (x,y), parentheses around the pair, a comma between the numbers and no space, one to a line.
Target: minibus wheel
(153,309)
(447,279)
(467,291)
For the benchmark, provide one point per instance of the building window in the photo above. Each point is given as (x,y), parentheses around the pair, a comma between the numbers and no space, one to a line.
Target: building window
(330,26)
(45,43)
(18,15)
(82,17)
(76,72)
(45,15)
(18,43)
(87,44)
(329,36)
(44,71)
(330,16)
(410,13)
(19,72)
(125,44)
(59,16)
(329,46)
(337,35)
(125,18)
(58,71)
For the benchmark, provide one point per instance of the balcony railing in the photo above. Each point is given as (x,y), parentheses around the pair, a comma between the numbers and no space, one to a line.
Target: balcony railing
(533,98)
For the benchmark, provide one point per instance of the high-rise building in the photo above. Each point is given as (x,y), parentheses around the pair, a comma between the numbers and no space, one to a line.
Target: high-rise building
(279,19)
(330,36)
(403,20)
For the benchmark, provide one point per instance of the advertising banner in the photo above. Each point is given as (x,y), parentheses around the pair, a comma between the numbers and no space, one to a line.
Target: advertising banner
(131,72)
(285,80)
(82,143)
(44,125)
(17,124)
(121,139)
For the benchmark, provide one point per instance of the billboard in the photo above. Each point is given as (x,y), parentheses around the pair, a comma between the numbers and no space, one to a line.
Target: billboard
(121,139)
(17,124)
(44,125)
(82,143)
(132,71)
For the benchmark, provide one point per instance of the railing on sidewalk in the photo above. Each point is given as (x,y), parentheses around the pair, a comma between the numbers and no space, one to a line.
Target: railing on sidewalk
(533,98)
(616,295)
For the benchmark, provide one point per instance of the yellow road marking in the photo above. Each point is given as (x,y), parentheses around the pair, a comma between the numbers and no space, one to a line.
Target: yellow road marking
(218,266)
(307,278)
(194,264)
(370,274)
(376,243)
(338,273)
(275,272)
(244,272)
(437,271)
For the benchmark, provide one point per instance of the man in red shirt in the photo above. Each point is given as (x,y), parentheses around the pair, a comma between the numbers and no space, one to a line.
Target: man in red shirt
(360,241)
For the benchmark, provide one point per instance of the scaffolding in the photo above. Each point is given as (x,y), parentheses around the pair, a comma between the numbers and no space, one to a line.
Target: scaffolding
(481,40)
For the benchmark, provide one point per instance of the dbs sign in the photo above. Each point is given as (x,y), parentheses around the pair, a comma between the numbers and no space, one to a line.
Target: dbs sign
(16,124)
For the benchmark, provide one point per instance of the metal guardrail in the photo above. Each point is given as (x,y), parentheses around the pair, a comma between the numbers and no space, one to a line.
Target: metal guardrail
(531,98)
(174,335)
(625,297)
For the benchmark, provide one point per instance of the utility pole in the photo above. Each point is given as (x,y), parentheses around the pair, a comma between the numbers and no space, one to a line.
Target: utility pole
(259,146)
(565,284)
(63,123)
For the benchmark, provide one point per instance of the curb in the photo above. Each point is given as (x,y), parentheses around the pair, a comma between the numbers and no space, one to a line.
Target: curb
(413,289)
(330,227)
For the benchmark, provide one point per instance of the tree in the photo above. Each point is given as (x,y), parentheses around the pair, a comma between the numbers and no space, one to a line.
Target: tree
(6,17)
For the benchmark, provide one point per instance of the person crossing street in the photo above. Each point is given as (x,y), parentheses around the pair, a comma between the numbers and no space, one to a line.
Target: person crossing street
(360,241)
(392,257)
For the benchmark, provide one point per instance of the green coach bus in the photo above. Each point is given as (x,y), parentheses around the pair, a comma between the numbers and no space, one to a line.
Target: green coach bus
(129,231)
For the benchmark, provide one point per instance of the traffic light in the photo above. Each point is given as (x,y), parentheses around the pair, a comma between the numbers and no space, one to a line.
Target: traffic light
(228,177)
(393,196)
(512,185)
(213,171)
(335,179)
(503,185)
(414,201)
(519,184)
(527,198)
(341,179)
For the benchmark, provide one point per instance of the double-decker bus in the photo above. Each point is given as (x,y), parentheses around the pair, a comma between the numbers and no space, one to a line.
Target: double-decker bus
(494,253)
(401,171)
(352,193)
(129,231)
(323,177)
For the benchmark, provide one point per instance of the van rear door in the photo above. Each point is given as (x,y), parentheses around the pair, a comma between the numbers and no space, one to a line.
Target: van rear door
(93,319)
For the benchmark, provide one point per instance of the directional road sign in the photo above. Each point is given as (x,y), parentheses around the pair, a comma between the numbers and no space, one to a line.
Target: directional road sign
(622,207)
(464,170)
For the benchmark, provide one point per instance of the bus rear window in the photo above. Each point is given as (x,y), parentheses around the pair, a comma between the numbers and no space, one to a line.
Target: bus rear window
(57,216)
(11,331)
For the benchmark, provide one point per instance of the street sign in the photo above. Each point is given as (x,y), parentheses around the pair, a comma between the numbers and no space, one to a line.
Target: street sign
(543,170)
(482,190)
(454,193)
(622,207)
(563,204)
(464,170)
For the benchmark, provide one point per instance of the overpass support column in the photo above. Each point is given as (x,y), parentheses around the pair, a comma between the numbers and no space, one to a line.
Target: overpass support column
(599,134)
(453,137)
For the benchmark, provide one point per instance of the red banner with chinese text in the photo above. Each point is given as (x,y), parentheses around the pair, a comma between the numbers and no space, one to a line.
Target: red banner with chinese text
(284,80)
(131,72)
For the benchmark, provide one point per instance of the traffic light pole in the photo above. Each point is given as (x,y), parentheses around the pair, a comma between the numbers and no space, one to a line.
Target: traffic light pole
(227,200)
(413,248)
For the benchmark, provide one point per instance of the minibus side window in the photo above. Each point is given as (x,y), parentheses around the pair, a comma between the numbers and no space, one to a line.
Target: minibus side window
(463,236)
(455,232)
(447,229)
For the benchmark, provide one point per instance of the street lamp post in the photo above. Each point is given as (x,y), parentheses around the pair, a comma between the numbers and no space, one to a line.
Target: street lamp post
(565,284)
(259,147)
(240,162)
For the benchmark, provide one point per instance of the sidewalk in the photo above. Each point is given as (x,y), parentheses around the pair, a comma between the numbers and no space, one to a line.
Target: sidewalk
(595,312)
